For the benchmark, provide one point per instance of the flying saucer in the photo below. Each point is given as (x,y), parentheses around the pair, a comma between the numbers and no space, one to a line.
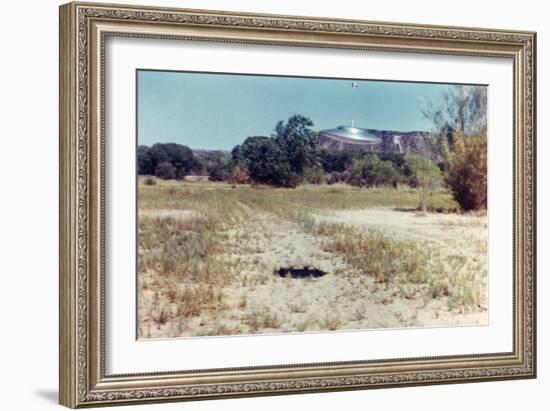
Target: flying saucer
(351,135)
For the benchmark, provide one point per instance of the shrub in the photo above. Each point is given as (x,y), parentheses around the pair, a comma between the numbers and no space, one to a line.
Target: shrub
(374,254)
(165,170)
(334,177)
(425,175)
(240,176)
(150,181)
(314,175)
(467,171)
(371,171)
(218,172)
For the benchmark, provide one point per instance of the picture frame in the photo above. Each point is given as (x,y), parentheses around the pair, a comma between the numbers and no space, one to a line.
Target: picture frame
(85,28)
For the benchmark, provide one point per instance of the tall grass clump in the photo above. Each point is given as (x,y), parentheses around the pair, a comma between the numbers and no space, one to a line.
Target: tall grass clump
(461,284)
(180,257)
(372,253)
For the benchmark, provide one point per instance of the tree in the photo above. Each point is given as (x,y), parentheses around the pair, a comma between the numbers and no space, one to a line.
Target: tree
(264,161)
(336,160)
(218,171)
(460,133)
(282,159)
(425,175)
(165,170)
(145,162)
(462,109)
(180,157)
(467,171)
(297,142)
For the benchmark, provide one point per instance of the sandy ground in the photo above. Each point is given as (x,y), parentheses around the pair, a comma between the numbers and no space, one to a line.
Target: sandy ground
(448,233)
(258,301)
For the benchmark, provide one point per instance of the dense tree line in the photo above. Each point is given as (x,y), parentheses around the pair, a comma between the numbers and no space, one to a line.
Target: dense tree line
(166,161)
(292,156)
(289,157)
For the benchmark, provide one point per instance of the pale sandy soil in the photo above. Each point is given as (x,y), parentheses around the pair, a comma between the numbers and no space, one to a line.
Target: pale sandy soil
(258,301)
(449,233)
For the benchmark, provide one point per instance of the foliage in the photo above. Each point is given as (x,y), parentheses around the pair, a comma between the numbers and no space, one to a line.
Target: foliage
(423,174)
(263,160)
(166,160)
(214,163)
(297,142)
(165,170)
(219,172)
(371,171)
(463,109)
(467,174)
(314,175)
(460,133)
(336,160)
(240,176)
(280,160)
(150,181)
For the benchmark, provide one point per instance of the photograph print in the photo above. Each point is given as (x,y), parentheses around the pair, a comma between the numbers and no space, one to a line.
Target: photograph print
(277,204)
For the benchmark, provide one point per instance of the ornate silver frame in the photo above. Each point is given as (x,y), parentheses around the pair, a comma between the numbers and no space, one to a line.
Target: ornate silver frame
(83,30)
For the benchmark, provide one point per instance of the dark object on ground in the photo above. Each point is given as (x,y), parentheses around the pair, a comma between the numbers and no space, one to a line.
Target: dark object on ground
(303,272)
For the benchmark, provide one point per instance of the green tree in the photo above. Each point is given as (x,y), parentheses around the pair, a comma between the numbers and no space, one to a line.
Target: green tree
(336,160)
(265,162)
(218,171)
(283,159)
(165,170)
(298,143)
(371,171)
(145,163)
(180,157)
(425,175)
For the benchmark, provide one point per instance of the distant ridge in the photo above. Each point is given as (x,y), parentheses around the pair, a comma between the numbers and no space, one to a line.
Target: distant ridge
(419,143)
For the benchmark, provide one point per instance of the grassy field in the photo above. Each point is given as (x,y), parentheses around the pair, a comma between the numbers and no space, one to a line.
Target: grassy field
(208,254)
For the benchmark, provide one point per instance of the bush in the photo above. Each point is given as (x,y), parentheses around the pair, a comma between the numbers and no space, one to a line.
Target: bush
(334,178)
(467,171)
(240,176)
(219,172)
(425,175)
(371,171)
(314,175)
(165,170)
(150,181)
(336,160)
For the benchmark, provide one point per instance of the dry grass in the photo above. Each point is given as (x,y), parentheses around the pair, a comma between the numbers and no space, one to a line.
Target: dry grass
(372,253)
(195,252)
(406,263)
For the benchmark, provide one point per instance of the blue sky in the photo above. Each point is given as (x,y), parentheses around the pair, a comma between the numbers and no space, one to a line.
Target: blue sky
(218,111)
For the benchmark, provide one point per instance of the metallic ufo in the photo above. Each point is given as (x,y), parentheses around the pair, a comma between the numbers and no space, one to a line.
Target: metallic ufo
(351,135)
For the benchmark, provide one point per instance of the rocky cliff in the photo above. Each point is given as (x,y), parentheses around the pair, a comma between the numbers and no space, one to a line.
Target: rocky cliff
(418,143)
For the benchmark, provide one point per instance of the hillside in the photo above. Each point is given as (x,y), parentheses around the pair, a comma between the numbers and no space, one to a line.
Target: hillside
(411,142)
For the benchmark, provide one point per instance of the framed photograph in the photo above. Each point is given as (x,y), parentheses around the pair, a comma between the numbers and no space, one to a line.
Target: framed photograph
(259,204)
